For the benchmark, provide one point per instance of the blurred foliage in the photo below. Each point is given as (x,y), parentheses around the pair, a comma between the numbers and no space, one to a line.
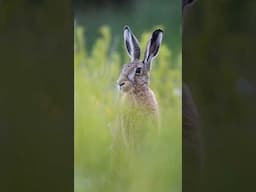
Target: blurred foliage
(100,2)
(140,15)
(218,65)
(36,95)
(156,168)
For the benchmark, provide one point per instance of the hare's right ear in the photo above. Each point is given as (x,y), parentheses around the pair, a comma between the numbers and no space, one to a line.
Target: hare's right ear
(131,43)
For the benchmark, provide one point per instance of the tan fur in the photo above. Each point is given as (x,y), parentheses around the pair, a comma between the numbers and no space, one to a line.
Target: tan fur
(145,99)
(138,93)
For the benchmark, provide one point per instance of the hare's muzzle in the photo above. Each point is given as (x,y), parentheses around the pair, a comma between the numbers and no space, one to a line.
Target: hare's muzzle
(120,84)
(123,85)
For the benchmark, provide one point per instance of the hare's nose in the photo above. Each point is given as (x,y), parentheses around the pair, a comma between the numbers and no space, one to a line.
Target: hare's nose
(120,82)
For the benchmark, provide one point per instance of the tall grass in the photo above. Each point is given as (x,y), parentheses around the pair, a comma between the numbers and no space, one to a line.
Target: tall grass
(96,103)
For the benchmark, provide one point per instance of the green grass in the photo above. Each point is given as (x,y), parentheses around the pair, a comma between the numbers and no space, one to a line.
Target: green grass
(158,166)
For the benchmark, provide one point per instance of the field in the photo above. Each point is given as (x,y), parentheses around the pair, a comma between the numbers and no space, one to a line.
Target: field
(98,58)
(96,101)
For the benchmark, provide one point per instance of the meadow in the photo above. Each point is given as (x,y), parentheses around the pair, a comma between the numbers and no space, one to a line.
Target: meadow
(96,101)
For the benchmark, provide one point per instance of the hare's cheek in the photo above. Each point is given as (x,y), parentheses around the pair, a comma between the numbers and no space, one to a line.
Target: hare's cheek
(127,87)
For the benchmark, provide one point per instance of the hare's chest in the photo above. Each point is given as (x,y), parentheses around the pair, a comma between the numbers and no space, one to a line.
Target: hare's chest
(142,105)
(141,99)
(138,117)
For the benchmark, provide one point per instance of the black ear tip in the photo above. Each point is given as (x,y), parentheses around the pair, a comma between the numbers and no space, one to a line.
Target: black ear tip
(126,27)
(158,31)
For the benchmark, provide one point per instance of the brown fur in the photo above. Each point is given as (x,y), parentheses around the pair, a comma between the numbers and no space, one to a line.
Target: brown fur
(138,93)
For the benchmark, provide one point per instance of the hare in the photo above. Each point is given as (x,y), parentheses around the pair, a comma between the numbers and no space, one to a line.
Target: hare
(133,84)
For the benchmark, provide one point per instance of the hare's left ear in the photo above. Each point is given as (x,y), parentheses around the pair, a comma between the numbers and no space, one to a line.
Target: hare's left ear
(153,47)
(131,43)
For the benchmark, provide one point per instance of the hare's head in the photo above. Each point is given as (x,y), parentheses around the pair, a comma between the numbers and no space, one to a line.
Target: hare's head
(135,75)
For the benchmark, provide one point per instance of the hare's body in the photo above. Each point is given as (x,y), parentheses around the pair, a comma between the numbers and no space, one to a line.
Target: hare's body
(140,110)
(140,113)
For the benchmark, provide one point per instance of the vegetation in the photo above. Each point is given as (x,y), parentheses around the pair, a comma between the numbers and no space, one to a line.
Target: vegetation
(155,168)
(140,15)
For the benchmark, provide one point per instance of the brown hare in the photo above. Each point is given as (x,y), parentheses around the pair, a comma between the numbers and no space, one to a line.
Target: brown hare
(134,83)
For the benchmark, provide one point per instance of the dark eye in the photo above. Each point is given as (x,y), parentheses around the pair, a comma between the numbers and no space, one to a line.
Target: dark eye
(138,70)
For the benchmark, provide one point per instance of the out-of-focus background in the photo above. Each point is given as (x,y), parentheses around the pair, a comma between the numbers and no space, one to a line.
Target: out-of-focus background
(98,57)
(218,63)
(141,15)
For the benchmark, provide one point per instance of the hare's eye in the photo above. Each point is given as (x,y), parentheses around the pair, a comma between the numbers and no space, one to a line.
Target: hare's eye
(138,70)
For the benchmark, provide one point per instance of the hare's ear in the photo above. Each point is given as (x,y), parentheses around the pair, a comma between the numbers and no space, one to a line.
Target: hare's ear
(131,44)
(153,47)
